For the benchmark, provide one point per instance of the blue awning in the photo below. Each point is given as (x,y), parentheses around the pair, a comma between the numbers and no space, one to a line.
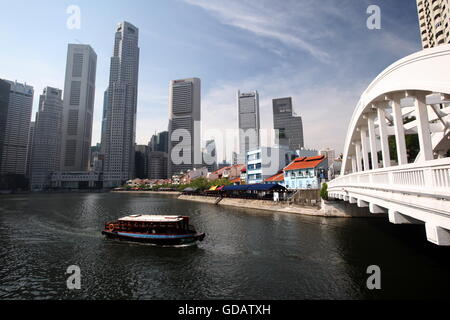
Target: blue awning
(255,187)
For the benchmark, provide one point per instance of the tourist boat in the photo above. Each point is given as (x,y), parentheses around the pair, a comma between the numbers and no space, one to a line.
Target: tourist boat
(154,229)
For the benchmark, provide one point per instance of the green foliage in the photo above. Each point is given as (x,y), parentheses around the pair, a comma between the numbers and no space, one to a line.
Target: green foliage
(324,191)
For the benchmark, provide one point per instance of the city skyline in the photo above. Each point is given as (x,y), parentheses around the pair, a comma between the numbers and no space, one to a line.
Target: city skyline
(274,63)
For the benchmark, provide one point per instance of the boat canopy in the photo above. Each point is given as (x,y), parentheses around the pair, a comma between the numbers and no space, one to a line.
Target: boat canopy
(151,218)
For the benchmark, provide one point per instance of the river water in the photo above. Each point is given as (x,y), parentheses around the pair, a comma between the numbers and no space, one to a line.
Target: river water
(247,254)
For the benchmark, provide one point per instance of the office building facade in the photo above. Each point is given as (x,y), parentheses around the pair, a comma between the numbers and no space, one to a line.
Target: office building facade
(288,127)
(45,157)
(15,118)
(184,125)
(249,123)
(120,123)
(79,95)
(434,19)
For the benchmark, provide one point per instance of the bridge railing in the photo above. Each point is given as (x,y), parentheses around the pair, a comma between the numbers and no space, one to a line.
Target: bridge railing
(431,178)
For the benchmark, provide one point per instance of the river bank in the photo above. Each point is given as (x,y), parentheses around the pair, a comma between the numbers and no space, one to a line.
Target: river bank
(336,209)
(167,193)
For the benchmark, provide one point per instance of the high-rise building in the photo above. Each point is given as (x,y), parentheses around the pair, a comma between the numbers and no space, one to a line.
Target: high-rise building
(45,158)
(5,88)
(104,114)
(157,165)
(210,155)
(15,122)
(249,123)
(141,162)
(330,154)
(78,110)
(288,126)
(120,124)
(30,148)
(434,18)
(159,142)
(184,125)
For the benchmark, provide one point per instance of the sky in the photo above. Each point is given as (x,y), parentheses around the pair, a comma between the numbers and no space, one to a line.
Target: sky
(320,53)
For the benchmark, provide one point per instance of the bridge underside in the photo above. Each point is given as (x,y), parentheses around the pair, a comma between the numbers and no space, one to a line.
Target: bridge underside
(403,209)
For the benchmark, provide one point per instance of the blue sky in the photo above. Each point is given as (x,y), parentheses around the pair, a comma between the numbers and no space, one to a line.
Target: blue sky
(319,52)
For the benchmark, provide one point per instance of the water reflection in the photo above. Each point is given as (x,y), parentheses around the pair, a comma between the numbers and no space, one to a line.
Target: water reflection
(247,254)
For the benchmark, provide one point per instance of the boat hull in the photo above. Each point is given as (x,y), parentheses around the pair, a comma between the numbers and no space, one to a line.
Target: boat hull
(156,239)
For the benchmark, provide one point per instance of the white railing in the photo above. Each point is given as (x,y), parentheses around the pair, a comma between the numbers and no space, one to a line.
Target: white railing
(431,178)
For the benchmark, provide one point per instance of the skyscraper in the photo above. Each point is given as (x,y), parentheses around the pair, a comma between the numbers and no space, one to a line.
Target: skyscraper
(120,131)
(14,126)
(210,155)
(290,127)
(434,18)
(45,157)
(104,114)
(249,123)
(78,110)
(30,148)
(184,125)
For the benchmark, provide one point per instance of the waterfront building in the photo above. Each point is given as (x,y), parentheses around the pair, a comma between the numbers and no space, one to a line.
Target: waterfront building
(16,103)
(77,180)
(277,178)
(78,110)
(196,173)
(266,161)
(305,173)
(120,124)
(434,18)
(104,118)
(184,125)
(249,123)
(46,150)
(287,125)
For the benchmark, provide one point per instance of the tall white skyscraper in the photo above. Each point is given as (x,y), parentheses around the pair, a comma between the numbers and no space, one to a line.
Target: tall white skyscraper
(434,18)
(45,157)
(79,95)
(249,123)
(185,151)
(15,116)
(120,131)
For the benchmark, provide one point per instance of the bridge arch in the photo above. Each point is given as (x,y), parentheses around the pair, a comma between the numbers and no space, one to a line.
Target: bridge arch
(410,97)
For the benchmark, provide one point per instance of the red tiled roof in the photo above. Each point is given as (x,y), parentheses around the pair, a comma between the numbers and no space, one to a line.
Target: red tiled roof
(279,177)
(236,180)
(305,163)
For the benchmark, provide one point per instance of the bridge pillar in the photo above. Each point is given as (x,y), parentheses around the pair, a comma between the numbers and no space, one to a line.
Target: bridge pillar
(352,200)
(376,209)
(396,217)
(437,235)
(354,165)
(362,203)
(383,135)
(423,128)
(399,131)
(358,156)
(365,148)
(373,141)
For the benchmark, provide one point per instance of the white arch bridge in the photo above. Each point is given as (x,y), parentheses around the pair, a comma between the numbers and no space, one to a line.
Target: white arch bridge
(396,156)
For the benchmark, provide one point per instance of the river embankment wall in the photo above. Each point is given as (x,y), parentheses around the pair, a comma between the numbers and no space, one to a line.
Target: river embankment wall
(337,209)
